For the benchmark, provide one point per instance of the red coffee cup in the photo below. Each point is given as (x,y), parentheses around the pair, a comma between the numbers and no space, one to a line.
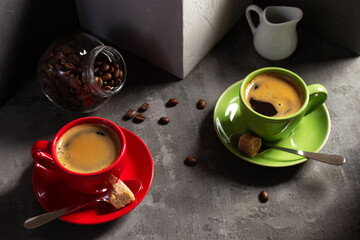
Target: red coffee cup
(44,153)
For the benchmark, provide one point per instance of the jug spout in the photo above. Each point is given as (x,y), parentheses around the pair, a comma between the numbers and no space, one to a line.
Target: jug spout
(282,15)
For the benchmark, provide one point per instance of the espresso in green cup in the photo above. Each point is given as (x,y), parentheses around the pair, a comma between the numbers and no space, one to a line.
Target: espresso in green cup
(274,100)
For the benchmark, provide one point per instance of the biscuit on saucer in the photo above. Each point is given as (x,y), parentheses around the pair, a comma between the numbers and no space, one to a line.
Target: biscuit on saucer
(121,195)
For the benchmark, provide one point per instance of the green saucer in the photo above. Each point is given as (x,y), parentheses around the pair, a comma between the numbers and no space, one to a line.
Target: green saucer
(310,135)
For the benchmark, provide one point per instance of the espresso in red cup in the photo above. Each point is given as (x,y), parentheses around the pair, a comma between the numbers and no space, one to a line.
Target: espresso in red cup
(88,154)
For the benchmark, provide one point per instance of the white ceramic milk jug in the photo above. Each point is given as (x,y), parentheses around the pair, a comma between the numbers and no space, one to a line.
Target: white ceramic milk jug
(275,36)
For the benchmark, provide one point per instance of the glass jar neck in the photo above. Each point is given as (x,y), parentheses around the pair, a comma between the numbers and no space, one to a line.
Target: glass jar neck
(88,74)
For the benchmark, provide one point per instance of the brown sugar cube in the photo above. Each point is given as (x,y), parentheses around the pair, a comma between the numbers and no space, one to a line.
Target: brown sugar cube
(249,143)
(121,195)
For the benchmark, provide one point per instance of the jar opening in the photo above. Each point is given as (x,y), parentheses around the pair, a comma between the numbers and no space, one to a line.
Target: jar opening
(105,71)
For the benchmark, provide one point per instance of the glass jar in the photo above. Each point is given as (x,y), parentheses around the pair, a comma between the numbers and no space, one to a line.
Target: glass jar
(78,73)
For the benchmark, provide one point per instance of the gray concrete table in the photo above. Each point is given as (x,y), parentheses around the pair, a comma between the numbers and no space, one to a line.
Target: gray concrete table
(218,198)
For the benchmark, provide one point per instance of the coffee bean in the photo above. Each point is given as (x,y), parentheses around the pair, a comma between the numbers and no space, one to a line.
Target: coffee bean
(117,81)
(69,66)
(106,76)
(190,161)
(105,67)
(117,73)
(121,75)
(263,196)
(139,118)
(201,104)
(130,114)
(172,102)
(99,81)
(144,107)
(164,120)
(107,87)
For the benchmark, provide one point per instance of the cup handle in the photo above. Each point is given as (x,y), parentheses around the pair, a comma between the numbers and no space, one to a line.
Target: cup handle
(317,96)
(256,9)
(41,153)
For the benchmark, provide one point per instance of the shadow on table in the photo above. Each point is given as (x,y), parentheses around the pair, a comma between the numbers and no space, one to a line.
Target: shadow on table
(20,203)
(236,51)
(143,74)
(220,161)
(29,116)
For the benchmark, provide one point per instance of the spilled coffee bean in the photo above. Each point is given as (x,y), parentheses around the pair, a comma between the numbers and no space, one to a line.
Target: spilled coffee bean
(263,196)
(144,107)
(164,120)
(130,114)
(190,161)
(139,118)
(172,102)
(201,104)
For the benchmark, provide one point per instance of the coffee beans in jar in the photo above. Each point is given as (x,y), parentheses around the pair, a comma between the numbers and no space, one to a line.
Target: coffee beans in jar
(78,73)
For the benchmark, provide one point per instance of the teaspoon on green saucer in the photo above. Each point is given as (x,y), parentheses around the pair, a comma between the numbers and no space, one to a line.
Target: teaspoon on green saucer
(322,157)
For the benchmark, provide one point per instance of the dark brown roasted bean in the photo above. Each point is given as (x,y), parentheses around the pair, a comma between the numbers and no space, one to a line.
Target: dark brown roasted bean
(164,120)
(190,161)
(201,104)
(139,117)
(144,107)
(131,113)
(263,196)
(172,102)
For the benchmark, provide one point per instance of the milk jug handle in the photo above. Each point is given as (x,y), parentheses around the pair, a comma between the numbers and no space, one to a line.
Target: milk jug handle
(256,9)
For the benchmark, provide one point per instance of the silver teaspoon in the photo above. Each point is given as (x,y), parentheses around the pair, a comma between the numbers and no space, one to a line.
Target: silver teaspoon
(322,157)
(133,184)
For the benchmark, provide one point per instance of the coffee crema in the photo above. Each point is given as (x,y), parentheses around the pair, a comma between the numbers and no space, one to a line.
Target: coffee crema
(88,148)
(274,95)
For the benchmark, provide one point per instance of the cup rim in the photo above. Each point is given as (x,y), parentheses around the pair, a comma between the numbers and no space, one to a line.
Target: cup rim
(83,120)
(288,73)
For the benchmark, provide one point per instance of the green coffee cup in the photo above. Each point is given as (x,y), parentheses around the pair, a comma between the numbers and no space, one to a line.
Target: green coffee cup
(272,128)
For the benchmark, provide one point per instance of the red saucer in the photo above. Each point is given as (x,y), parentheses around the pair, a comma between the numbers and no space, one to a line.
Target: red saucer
(54,194)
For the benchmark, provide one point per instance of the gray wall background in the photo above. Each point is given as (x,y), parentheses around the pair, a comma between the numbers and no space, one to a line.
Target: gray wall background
(27,27)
